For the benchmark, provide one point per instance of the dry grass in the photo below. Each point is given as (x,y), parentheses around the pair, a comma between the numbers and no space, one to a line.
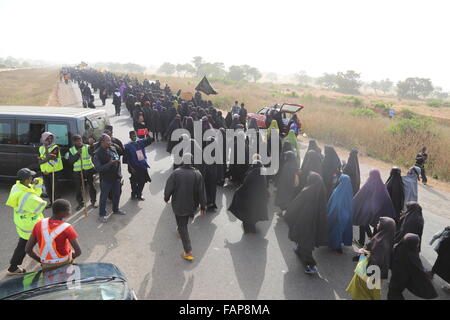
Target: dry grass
(27,87)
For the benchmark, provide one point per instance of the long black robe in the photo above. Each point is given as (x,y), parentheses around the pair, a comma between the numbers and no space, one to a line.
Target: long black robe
(311,163)
(408,271)
(411,222)
(238,170)
(306,215)
(352,170)
(175,124)
(396,190)
(228,120)
(286,181)
(250,200)
(331,168)
(442,265)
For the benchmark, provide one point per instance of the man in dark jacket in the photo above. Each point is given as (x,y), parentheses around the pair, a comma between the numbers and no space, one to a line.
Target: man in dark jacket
(187,189)
(107,163)
(117,101)
(420,162)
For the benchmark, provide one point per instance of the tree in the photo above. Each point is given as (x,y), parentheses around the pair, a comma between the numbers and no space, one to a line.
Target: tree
(167,68)
(302,78)
(348,82)
(328,80)
(385,85)
(133,68)
(197,61)
(375,85)
(413,88)
(211,70)
(236,73)
(254,73)
(439,94)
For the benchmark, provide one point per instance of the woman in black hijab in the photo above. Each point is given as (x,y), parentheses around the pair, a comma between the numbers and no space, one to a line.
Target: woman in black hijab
(287,181)
(189,126)
(254,138)
(379,252)
(311,163)
(396,189)
(410,222)
(250,200)
(352,170)
(331,169)
(441,266)
(222,167)
(219,120)
(175,124)
(306,217)
(238,170)
(228,120)
(313,146)
(210,177)
(408,271)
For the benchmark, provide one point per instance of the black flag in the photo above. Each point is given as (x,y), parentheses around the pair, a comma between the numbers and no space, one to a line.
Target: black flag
(205,87)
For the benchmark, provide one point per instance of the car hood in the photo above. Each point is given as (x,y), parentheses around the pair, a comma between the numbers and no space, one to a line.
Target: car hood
(65,274)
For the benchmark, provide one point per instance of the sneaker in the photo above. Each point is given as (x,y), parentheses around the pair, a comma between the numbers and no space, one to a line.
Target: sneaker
(15,272)
(140,199)
(121,212)
(94,204)
(311,270)
(103,219)
(188,257)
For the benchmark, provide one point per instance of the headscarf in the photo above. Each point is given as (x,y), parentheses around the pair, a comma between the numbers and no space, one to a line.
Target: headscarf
(410,182)
(294,143)
(286,181)
(408,271)
(381,244)
(312,146)
(396,190)
(306,215)
(273,125)
(44,137)
(340,228)
(331,167)
(410,222)
(311,163)
(352,170)
(372,201)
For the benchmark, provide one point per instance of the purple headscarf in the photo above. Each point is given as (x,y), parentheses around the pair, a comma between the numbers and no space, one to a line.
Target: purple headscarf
(372,201)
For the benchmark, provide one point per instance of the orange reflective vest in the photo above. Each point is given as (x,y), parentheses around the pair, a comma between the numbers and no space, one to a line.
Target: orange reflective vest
(49,254)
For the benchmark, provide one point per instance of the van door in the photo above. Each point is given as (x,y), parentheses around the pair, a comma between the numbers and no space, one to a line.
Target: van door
(8,152)
(29,134)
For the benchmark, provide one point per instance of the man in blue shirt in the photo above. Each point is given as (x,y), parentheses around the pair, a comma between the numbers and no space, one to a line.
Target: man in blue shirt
(136,159)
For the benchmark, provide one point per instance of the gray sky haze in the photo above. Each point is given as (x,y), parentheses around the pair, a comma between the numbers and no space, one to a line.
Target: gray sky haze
(394,39)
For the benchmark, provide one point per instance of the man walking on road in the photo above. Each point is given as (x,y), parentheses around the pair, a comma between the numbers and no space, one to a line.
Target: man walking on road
(421,158)
(25,198)
(107,164)
(80,156)
(136,159)
(187,189)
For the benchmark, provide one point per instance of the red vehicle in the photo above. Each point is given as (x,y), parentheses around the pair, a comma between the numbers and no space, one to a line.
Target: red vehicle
(287,110)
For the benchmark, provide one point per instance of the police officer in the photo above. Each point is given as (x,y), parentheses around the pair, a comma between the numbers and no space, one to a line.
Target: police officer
(25,199)
(80,156)
(51,164)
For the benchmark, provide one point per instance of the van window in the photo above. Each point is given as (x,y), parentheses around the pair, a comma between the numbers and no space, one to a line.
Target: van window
(61,133)
(6,131)
(30,132)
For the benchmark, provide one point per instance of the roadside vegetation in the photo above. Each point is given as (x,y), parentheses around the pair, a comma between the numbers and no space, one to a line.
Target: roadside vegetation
(27,87)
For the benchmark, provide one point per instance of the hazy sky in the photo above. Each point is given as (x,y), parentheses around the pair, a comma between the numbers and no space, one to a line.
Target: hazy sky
(395,38)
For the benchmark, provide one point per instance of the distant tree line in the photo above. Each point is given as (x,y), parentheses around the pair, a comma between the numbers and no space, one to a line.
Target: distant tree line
(11,62)
(216,70)
(120,67)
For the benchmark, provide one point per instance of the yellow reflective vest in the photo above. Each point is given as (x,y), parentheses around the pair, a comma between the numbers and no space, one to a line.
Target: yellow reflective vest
(85,156)
(52,165)
(27,205)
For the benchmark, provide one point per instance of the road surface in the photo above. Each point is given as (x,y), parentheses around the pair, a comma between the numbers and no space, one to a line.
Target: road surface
(228,264)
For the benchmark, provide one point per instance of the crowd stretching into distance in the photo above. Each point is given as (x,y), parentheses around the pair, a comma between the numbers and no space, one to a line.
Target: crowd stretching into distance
(319,197)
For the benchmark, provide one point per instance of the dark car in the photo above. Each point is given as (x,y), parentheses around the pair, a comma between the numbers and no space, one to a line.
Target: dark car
(21,129)
(87,281)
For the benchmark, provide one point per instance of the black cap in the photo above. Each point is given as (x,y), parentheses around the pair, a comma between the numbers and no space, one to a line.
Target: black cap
(25,173)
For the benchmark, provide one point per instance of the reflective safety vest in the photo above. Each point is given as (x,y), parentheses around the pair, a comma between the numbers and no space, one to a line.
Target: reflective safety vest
(85,157)
(48,252)
(52,165)
(28,207)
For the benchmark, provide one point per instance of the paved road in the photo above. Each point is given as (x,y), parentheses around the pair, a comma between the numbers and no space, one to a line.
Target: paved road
(228,264)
